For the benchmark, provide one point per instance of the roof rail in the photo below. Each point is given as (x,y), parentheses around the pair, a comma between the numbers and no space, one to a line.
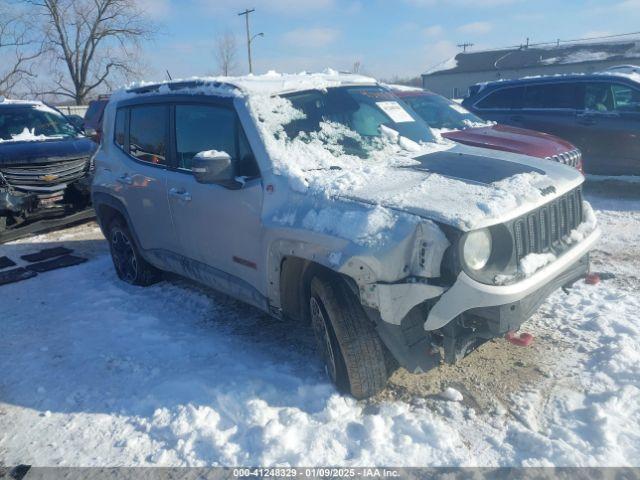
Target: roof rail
(180,85)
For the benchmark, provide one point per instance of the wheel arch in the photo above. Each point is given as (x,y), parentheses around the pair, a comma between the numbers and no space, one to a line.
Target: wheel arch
(292,263)
(107,208)
(296,274)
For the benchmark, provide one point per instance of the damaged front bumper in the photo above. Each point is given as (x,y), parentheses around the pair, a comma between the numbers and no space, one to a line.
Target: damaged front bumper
(424,324)
(467,293)
(16,203)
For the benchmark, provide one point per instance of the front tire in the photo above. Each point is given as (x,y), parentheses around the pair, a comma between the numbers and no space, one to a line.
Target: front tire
(347,341)
(130,266)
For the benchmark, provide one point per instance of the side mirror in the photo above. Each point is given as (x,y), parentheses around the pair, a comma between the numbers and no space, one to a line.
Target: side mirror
(93,134)
(212,166)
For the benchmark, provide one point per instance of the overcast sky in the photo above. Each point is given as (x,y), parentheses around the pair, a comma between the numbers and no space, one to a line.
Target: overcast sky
(388,37)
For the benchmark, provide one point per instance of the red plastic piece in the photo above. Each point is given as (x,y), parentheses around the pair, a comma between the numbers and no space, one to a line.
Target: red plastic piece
(521,340)
(592,279)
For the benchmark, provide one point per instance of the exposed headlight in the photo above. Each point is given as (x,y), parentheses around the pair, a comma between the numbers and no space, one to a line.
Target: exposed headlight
(477,248)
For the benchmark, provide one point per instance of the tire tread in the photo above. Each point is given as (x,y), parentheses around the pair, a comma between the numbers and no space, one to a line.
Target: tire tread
(360,345)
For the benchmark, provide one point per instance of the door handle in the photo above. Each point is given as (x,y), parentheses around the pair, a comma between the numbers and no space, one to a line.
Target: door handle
(585,119)
(125,179)
(180,194)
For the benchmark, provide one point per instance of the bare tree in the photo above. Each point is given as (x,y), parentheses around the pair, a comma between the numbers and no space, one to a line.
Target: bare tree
(17,49)
(91,43)
(226,52)
(357,67)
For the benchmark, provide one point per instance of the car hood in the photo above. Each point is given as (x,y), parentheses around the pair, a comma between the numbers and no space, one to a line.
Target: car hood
(511,139)
(468,187)
(17,153)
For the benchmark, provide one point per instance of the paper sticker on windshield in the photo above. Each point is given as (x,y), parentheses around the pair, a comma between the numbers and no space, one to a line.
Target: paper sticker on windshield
(458,108)
(395,112)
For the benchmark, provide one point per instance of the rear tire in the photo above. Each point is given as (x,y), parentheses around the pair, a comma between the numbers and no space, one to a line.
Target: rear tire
(347,341)
(130,266)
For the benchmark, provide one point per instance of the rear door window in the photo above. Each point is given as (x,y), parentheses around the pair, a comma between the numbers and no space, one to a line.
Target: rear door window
(551,96)
(148,134)
(505,98)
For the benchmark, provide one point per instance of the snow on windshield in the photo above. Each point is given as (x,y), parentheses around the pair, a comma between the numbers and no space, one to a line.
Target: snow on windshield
(305,156)
(33,122)
(29,135)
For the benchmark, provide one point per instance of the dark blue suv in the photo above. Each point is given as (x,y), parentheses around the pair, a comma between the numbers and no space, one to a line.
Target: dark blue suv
(45,166)
(599,113)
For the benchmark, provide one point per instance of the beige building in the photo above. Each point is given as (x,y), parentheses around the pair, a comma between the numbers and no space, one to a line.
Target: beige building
(453,77)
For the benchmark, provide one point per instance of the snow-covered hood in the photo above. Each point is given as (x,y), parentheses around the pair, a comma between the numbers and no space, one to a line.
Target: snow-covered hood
(468,187)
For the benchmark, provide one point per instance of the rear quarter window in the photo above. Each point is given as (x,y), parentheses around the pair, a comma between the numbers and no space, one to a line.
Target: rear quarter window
(119,128)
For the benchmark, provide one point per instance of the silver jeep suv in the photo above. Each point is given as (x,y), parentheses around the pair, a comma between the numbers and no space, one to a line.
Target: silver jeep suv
(325,198)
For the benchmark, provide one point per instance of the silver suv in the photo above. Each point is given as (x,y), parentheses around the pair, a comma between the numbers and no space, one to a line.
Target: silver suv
(324,198)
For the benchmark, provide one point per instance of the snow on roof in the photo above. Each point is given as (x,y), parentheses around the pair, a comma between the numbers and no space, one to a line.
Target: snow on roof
(36,104)
(538,56)
(11,101)
(270,83)
(631,75)
(404,88)
(449,64)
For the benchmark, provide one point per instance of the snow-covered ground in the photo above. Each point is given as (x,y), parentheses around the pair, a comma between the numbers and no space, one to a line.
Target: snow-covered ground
(96,372)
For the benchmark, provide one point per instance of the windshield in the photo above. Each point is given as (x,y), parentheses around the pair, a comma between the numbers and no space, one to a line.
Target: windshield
(439,112)
(356,120)
(33,122)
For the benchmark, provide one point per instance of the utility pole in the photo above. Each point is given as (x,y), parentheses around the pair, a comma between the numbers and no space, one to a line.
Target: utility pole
(464,46)
(249,37)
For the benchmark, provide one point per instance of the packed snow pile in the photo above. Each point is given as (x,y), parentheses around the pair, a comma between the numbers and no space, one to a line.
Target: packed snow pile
(364,227)
(462,204)
(175,375)
(533,262)
(588,225)
(452,395)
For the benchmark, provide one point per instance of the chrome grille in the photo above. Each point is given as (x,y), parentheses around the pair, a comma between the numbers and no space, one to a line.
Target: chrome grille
(46,176)
(573,158)
(541,230)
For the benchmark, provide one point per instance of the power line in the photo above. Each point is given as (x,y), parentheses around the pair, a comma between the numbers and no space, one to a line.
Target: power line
(559,42)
